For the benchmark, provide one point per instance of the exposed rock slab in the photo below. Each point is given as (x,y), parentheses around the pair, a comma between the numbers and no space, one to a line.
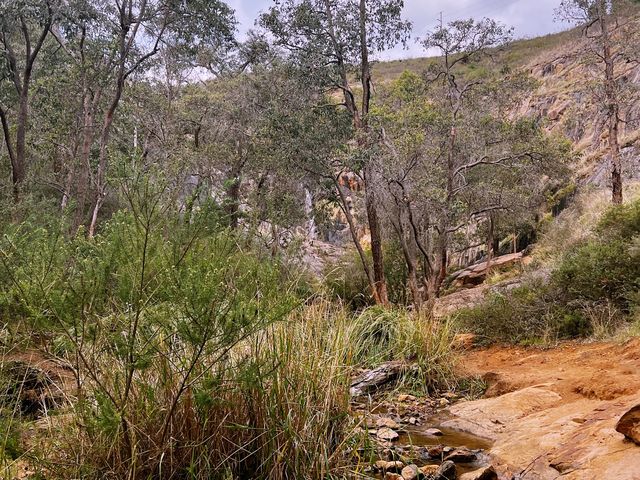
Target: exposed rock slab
(559,417)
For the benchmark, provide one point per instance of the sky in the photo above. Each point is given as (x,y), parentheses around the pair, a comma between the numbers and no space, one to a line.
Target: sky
(529,18)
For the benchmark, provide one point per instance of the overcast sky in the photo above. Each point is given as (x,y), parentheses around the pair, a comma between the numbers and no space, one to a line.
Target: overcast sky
(530,18)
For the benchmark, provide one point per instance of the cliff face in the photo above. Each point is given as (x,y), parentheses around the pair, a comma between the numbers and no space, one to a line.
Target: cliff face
(569,100)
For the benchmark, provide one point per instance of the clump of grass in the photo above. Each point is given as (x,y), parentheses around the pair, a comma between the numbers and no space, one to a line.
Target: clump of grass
(383,334)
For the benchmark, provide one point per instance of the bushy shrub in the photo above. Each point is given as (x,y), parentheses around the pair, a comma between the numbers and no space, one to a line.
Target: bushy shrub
(519,315)
(346,280)
(594,285)
(607,266)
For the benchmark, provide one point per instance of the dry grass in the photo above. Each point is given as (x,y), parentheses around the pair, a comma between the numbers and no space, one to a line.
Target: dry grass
(576,224)
(276,406)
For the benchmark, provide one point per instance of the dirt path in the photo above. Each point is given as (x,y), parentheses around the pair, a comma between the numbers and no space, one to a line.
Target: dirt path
(552,413)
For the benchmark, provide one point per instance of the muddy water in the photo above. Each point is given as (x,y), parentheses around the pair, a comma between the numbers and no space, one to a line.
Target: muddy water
(416,437)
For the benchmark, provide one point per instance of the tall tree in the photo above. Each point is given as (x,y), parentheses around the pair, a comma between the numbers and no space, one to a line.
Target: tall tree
(24,27)
(113,40)
(334,41)
(601,23)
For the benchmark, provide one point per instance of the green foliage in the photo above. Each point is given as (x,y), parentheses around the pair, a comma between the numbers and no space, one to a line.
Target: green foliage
(594,286)
(348,283)
(607,266)
(379,335)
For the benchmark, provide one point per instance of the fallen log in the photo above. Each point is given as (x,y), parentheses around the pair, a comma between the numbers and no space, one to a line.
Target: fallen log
(372,379)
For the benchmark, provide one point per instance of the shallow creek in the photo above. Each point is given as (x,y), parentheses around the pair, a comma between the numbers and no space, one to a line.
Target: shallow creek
(414,443)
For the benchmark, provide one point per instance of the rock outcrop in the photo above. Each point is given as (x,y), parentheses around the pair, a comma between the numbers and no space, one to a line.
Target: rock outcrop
(629,425)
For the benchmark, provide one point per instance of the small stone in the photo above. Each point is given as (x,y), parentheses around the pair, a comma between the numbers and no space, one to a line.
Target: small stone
(434,432)
(629,425)
(406,398)
(413,421)
(485,473)
(387,422)
(410,472)
(461,455)
(392,466)
(429,470)
(386,433)
(392,476)
(443,402)
(446,471)
(435,451)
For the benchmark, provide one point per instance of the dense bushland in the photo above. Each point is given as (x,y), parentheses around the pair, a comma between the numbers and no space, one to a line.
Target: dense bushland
(194,354)
(592,290)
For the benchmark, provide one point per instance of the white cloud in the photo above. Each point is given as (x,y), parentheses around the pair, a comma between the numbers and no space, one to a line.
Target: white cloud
(528,17)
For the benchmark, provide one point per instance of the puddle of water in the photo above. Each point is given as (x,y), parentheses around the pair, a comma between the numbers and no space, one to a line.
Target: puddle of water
(449,438)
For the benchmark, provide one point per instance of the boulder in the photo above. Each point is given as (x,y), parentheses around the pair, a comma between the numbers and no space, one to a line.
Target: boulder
(629,424)
(33,388)
(386,433)
(485,473)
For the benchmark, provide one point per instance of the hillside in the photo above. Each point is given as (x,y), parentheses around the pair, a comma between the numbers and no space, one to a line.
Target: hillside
(564,99)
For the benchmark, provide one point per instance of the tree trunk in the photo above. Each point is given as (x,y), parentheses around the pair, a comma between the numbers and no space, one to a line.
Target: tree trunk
(83,178)
(376,240)
(12,155)
(19,171)
(101,186)
(613,108)
(232,204)
(412,275)
(490,243)
(356,241)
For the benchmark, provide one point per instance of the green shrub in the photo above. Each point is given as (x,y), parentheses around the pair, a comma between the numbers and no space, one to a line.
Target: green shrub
(516,316)
(600,270)
(346,280)
(594,285)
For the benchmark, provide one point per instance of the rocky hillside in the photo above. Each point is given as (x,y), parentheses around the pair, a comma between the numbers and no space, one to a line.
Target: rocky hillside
(566,97)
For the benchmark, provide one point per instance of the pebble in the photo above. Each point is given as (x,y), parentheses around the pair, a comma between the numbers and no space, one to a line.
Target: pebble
(410,472)
(386,433)
(461,455)
(392,466)
(387,422)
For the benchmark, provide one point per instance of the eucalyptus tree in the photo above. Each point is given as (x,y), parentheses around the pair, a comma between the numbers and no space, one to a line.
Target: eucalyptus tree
(112,41)
(333,41)
(601,22)
(24,28)
(458,43)
(455,157)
